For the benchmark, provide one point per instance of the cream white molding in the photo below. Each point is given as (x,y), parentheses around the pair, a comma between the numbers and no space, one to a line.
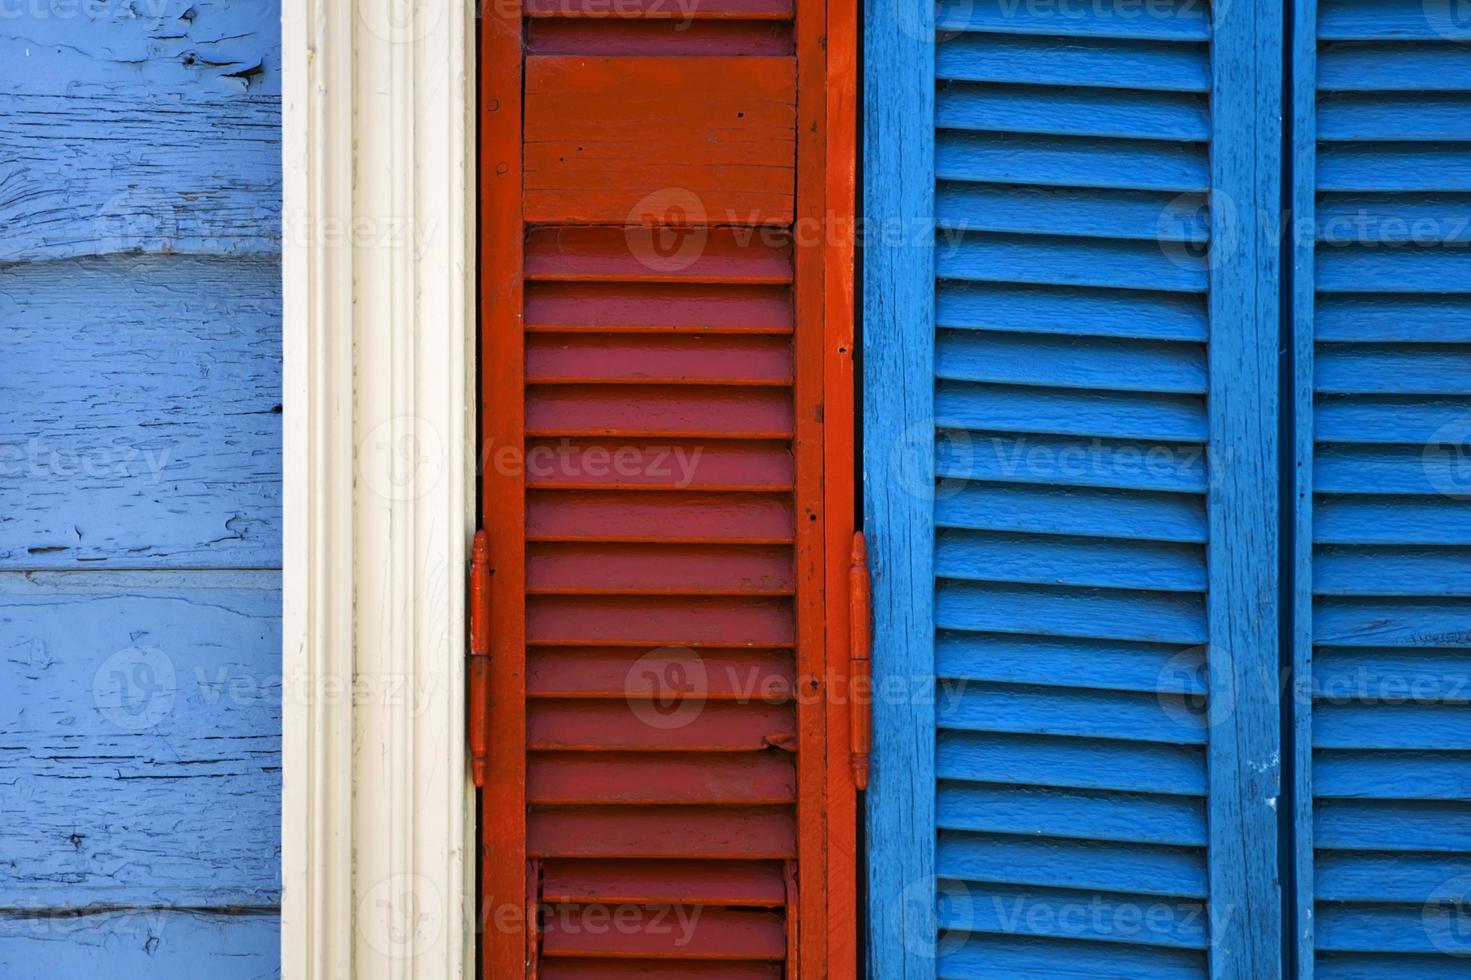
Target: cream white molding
(378,498)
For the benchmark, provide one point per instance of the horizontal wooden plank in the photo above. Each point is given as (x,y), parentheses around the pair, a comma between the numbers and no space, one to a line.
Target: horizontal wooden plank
(1125,715)
(706,933)
(1393,167)
(169,51)
(662,9)
(1140,767)
(663,832)
(632,255)
(1391,470)
(1414,318)
(1393,116)
(1351,725)
(1385,520)
(748,778)
(1392,825)
(1412,20)
(654,464)
(1071,312)
(1402,929)
(659,36)
(1040,360)
(1389,421)
(1177,872)
(1392,369)
(1412,268)
(654,621)
(636,517)
(143,944)
(1411,222)
(636,411)
(1111,665)
(1392,571)
(1057,161)
(1426,623)
(1032,812)
(703,360)
(1008,910)
(1141,215)
(1085,513)
(693,139)
(1105,414)
(150,430)
(1011,957)
(655,715)
(1085,562)
(711,673)
(194,178)
(1393,66)
(138,705)
(1349,877)
(1366,966)
(602,569)
(1068,111)
(554,968)
(1391,674)
(1170,20)
(749,883)
(1105,263)
(1063,461)
(1095,62)
(1392,775)
(624,308)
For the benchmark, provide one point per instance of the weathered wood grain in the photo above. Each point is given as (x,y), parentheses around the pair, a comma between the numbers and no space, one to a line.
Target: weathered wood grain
(93,175)
(148,429)
(140,739)
(142,944)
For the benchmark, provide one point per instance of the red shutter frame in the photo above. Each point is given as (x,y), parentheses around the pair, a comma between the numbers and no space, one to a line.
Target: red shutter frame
(638,563)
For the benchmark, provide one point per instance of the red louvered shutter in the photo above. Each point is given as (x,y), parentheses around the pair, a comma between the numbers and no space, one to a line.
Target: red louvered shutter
(662,508)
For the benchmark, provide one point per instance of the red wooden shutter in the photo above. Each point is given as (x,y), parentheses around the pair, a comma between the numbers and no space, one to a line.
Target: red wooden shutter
(661,507)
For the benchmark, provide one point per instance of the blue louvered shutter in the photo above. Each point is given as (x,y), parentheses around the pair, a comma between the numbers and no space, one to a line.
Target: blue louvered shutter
(1383,321)
(1071,333)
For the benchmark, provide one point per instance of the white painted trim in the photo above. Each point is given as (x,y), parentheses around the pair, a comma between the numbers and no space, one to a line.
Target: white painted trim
(379,487)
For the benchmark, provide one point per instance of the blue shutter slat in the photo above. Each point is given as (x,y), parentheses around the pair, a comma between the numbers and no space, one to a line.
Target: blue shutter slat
(1109,63)
(1056,161)
(1143,215)
(1072,111)
(1427,319)
(1006,956)
(1393,67)
(1130,564)
(1105,414)
(1167,20)
(1076,763)
(1076,312)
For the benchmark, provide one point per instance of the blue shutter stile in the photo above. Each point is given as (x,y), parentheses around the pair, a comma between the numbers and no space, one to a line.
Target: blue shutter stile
(1071,333)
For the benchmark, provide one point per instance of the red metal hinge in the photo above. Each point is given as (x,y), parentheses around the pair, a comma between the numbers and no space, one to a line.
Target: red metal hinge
(479,667)
(860,664)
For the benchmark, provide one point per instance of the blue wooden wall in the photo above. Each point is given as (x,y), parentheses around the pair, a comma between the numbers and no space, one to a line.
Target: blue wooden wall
(140,470)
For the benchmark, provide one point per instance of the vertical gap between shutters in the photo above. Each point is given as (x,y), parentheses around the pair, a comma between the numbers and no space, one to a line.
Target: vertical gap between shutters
(1288,461)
